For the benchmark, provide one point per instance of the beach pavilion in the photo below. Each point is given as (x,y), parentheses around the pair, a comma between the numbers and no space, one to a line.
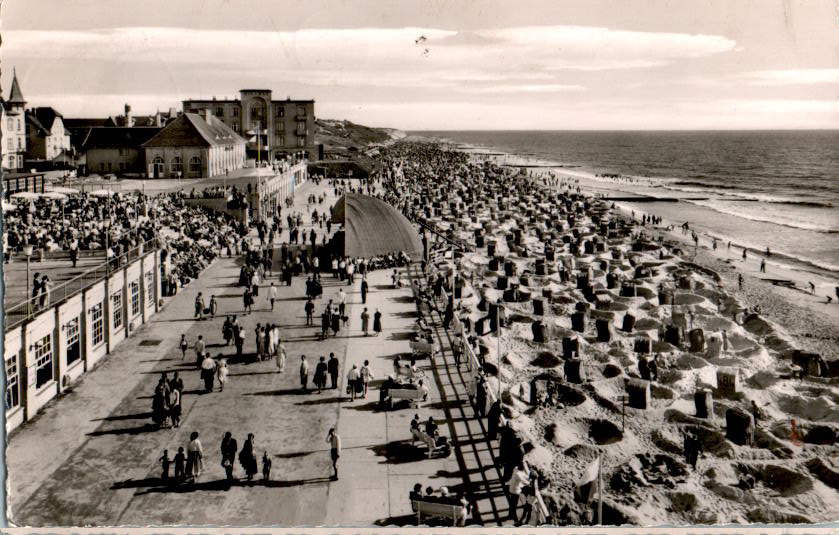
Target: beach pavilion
(372,227)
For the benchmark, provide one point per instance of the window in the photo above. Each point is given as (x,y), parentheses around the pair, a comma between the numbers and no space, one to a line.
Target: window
(279,127)
(43,361)
(10,123)
(109,166)
(301,141)
(97,322)
(149,289)
(235,112)
(301,112)
(122,167)
(116,309)
(236,127)
(122,151)
(134,297)
(176,165)
(20,143)
(219,111)
(10,144)
(74,345)
(258,112)
(12,386)
(280,111)
(281,140)
(195,165)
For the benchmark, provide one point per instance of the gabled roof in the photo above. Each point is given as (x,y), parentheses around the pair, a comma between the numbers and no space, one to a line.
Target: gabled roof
(88,123)
(191,130)
(43,118)
(118,136)
(15,94)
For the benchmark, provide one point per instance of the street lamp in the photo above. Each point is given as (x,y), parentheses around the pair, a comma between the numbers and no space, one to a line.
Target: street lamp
(27,250)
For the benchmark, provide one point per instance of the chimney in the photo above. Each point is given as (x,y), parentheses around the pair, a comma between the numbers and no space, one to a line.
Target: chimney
(128,119)
(158,120)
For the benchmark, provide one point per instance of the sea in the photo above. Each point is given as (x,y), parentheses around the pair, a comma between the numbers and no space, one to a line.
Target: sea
(756,189)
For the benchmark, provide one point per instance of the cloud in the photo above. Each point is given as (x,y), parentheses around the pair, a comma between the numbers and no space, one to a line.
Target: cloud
(379,56)
(532,88)
(790,77)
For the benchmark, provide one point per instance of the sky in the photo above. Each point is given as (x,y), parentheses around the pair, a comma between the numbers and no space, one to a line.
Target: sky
(441,64)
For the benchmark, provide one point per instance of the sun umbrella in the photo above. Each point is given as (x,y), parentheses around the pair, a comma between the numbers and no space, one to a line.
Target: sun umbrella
(55,195)
(64,190)
(27,195)
(100,193)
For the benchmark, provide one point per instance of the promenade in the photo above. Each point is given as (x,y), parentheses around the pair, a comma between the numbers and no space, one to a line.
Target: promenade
(91,457)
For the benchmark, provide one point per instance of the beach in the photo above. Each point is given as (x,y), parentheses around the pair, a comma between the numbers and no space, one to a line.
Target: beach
(607,285)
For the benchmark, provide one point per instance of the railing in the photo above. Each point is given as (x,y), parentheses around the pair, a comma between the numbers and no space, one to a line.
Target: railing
(542,514)
(18,313)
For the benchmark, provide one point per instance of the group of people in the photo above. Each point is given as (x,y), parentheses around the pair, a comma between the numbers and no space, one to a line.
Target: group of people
(189,464)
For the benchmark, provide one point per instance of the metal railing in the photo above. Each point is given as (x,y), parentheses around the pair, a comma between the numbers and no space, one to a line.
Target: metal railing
(18,313)
(542,513)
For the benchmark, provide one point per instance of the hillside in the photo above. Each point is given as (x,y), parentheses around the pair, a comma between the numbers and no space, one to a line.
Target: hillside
(344,138)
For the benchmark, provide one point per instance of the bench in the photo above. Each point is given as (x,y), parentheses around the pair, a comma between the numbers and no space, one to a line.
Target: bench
(412,394)
(421,347)
(457,513)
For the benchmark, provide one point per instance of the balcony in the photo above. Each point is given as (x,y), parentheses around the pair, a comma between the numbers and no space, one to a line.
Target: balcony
(301,117)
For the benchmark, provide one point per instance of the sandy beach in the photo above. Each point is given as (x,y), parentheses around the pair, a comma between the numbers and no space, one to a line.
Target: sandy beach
(714,372)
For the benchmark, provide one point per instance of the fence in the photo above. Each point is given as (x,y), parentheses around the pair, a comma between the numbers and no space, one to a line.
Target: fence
(542,514)
(16,314)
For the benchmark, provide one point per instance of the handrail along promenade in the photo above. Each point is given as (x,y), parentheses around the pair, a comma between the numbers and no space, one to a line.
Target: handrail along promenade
(16,314)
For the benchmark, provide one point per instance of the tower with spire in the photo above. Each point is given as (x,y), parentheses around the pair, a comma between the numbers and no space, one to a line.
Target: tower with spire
(13,126)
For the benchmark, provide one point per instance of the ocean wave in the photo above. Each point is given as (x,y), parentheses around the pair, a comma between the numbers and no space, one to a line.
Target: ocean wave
(701,184)
(775,221)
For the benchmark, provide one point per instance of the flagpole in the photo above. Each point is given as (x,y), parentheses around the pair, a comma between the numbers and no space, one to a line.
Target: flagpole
(600,490)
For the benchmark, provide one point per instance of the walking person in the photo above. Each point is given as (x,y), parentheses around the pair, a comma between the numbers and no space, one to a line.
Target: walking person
(199,349)
(281,356)
(213,306)
(353,382)
(309,307)
(199,306)
(247,458)
(266,467)
(175,406)
(320,374)
(332,367)
(366,377)
(334,441)
(229,447)
(364,289)
(377,322)
(272,295)
(515,485)
(222,372)
(194,458)
(342,302)
(304,373)
(365,321)
(208,372)
(184,346)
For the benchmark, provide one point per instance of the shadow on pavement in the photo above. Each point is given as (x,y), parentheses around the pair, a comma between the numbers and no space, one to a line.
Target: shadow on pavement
(157,484)
(138,416)
(145,428)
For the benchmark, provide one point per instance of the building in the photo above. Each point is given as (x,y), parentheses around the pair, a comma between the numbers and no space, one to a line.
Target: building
(194,146)
(274,128)
(13,127)
(46,138)
(117,149)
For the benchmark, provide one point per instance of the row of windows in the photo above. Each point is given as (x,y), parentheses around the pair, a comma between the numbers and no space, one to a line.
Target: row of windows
(176,165)
(10,143)
(257,111)
(43,348)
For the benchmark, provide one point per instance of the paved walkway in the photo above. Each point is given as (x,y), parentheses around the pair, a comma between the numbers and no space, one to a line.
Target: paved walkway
(91,457)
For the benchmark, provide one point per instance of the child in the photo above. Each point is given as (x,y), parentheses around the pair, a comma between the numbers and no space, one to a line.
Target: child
(266,467)
(164,461)
(184,346)
(180,461)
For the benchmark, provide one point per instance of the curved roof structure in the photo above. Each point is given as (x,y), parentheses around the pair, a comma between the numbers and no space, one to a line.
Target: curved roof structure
(374,227)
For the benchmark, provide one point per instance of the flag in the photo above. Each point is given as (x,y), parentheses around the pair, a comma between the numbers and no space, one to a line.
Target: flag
(586,487)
